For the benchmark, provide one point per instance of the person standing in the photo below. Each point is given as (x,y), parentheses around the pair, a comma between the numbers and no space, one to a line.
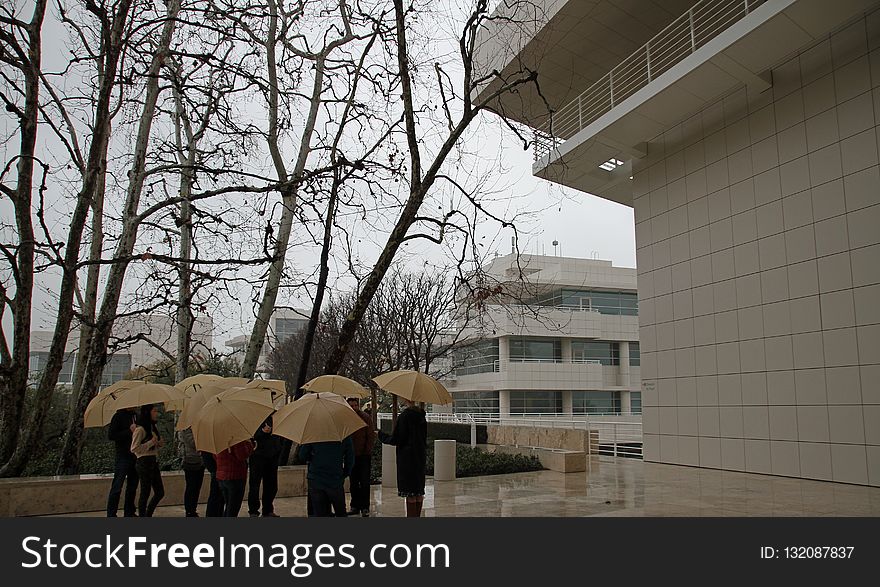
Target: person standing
(193,471)
(232,472)
(410,436)
(329,464)
(145,444)
(359,481)
(216,505)
(264,469)
(124,472)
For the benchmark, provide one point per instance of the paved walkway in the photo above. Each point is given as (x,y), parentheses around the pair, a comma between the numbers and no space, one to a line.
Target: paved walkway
(621,487)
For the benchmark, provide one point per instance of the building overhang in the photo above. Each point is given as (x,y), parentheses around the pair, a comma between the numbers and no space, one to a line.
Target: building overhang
(743,53)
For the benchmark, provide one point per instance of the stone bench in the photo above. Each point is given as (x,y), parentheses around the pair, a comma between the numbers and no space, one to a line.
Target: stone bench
(555,459)
(36,496)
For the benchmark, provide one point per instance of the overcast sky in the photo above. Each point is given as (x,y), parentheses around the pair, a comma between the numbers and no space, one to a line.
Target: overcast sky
(584,225)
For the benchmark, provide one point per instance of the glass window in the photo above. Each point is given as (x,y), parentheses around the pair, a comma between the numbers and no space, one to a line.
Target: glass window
(591,351)
(479,357)
(535,402)
(117,368)
(541,350)
(37,363)
(475,402)
(635,357)
(635,402)
(595,402)
(287,327)
(605,302)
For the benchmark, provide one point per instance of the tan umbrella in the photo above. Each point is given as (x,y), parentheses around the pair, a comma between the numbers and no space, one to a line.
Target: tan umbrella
(414,386)
(118,386)
(197,400)
(337,384)
(100,410)
(276,386)
(316,417)
(190,386)
(230,417)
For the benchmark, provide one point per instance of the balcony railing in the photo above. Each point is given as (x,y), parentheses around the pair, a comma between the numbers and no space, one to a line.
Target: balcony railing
(693,29)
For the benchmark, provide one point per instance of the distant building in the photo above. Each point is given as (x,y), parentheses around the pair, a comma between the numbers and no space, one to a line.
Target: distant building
(149,336)
(285,322)
(565,341)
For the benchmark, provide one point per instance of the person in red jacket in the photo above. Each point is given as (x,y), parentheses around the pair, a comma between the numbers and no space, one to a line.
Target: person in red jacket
(232,472)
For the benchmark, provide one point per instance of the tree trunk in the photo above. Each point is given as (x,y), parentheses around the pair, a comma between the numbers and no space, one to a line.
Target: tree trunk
(14,374)
(97,356)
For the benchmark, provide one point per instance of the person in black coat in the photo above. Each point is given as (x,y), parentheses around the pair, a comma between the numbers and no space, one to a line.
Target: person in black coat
(263,466)
(410,436)
(124,474)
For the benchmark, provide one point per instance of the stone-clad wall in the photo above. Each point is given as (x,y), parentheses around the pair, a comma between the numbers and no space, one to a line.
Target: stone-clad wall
(561,438)
(35,496)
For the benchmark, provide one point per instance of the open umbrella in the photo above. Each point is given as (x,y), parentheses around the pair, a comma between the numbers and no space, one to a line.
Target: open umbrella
(230,417)
(414,386)
(336,384)
(190,386)
(197,400)
(100,410)
(277,387)
(316,417)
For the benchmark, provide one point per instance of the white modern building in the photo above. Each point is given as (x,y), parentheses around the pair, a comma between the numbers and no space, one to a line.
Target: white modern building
(560,337)
(284,323)
(139,341)
(744,133)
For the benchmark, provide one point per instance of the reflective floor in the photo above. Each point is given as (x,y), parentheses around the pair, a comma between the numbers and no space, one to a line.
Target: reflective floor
(622,487)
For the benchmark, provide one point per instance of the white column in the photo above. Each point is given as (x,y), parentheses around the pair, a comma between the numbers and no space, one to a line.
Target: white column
(566,350)
(503,351)
(625,399)
(504,403)
(389,465)
(567,408)
(444,460)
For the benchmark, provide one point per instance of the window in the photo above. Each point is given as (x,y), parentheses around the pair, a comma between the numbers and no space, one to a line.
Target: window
(535,402)
(588,351)
(635,356)
(595,402)
(479,357)
(606,302)
(37,363)
(539,350)
(635,402)
(117,368)
(287,327)
(475,402)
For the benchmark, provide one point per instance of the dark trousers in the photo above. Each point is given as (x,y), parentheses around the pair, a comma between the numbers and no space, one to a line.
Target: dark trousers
(265,471)
(323,500)
(359,483)
(124,473)
(216,504)
(194,479)
(151,479)
(233,495)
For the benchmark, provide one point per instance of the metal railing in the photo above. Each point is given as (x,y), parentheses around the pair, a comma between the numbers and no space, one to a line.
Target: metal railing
(616,437)
(703,22)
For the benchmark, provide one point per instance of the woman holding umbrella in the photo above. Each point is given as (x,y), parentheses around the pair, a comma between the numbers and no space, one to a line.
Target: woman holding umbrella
(145,444)
(410,436)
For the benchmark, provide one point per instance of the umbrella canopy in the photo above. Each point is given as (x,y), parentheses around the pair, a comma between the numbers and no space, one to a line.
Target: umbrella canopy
(197,400)
(316,417)
(276,387)
(337,384)
(230,417)
(192,385)
(119,385)
(100,410)
(414,386)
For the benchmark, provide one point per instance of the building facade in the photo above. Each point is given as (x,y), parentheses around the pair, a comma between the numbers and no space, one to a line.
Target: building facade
(284,323)
(745,135)
(561,339)
(142,340)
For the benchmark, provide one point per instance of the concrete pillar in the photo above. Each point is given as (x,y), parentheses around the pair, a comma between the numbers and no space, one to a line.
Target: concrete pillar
(444,460)
(623,380)
(389,465)
(504,403)
(625,401)
(567,408)
(566,350)
(503,352)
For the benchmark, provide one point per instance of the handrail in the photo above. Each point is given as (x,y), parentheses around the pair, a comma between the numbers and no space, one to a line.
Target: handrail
(703,22)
